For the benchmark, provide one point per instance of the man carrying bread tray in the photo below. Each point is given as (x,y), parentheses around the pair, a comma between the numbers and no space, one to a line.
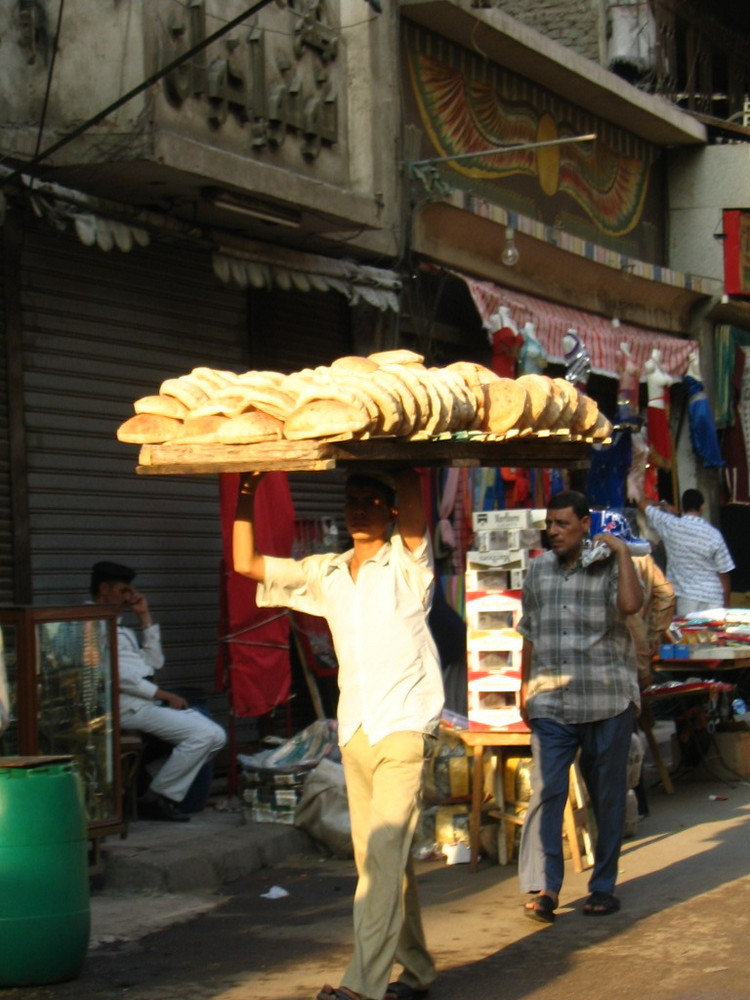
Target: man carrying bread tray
(376,598)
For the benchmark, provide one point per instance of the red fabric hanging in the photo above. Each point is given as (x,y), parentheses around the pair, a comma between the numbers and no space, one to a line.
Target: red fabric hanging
(254,652)
(506,349)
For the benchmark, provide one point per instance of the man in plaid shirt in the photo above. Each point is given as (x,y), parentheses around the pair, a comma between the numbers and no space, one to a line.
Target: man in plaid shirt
(579,690)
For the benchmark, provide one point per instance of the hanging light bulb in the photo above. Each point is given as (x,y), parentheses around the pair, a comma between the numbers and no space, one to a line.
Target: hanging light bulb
(510,254)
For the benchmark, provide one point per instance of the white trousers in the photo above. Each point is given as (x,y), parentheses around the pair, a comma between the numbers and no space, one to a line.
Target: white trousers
(195,739)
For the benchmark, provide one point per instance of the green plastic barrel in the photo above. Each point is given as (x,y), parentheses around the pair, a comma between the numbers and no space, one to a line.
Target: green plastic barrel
(45,912)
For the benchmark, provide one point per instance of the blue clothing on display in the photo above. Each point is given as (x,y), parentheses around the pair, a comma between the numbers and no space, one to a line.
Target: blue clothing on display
(703,436)
(608,473)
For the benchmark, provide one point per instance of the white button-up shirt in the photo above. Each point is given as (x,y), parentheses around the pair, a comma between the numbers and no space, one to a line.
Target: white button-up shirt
(137,662)
(389,670)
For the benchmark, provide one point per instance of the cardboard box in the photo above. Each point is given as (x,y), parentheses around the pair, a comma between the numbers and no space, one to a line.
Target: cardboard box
(488,580)
(477,641)
(488,660)
(494,718)
(503,558)
(492,539)
(507,520)
(734,748)
(492,580)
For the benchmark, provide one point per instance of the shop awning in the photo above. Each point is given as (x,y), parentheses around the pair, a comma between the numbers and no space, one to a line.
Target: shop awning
(110,225)
(265,266)
(602,339)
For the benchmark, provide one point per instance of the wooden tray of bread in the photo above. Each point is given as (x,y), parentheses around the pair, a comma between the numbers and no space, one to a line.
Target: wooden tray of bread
(386,408)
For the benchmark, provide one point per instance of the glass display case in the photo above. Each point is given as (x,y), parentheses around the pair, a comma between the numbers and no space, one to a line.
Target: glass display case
(60,676)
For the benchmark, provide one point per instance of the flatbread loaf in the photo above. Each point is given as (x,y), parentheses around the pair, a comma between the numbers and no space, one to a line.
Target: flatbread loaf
(508,404)
(555,405)
(201,430)
(477,378)
(353,363)
(162,406)
(148,428)
(184,388)
(416,388)
(569,395)
(407,405)
(250,428)
(537,387)
(602,428)
(585,416)
(399,356)
(325,418)
(391,418)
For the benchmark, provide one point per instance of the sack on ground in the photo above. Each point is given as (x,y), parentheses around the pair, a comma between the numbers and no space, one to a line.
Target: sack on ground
(323,809)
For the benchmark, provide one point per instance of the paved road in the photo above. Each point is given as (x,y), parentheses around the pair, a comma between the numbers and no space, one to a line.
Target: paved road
(682,934)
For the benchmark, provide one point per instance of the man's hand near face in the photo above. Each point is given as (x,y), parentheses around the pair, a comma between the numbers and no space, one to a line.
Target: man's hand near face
(139,605)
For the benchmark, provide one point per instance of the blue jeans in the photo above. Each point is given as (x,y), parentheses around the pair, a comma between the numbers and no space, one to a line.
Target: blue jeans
(605,746)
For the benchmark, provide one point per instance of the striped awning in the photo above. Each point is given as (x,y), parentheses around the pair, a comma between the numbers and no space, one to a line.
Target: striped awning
(602,339)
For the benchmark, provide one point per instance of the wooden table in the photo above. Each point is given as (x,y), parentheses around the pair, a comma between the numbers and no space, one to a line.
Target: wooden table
(690,689)
(495,740)
(699,664)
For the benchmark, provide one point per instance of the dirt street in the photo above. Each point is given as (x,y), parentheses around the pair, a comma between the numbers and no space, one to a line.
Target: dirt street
(681,935)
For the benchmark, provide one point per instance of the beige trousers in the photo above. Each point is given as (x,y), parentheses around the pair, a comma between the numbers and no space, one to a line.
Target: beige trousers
(384,789)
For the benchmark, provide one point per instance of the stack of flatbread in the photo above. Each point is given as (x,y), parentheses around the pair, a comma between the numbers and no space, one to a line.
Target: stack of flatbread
(386,394)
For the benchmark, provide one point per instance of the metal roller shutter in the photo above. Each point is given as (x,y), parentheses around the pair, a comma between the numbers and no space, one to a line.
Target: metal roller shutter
(6,514)
(101,330)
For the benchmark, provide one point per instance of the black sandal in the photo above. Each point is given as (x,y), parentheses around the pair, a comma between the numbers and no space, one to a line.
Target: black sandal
(542,909)
(600,904)
(337,993)
(402,991)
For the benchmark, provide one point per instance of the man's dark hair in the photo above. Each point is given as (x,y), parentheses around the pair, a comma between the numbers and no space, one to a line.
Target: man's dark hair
(372,482)
(109,572)
(692,500)
(570,498)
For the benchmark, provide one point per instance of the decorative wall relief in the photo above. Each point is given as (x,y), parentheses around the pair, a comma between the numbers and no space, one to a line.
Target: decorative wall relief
(290,91)
(467,104)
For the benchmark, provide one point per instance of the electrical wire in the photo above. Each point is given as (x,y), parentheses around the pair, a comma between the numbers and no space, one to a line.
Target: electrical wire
(49,78)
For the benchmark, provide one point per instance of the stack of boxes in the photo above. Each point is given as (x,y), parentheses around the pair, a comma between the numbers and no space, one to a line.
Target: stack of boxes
(504,543)
(271,796)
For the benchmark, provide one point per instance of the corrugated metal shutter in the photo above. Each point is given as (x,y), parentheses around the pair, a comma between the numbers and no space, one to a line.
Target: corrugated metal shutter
(100,330)
(6,519)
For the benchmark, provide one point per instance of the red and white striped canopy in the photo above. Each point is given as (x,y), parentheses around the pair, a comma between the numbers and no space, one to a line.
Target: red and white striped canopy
(602,340)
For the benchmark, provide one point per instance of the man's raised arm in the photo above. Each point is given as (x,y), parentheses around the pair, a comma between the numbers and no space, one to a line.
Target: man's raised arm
(412,520)
(245,557)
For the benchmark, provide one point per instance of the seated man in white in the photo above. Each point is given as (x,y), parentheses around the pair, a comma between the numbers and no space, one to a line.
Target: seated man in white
(149,708)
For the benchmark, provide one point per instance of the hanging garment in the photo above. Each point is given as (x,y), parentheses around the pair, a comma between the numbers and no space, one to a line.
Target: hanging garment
(636,479)
(577,361)
(506,348)
(628,388)
(703,436)
(253,662)
(735,449)
(659,437)
(533,358)
(608,472)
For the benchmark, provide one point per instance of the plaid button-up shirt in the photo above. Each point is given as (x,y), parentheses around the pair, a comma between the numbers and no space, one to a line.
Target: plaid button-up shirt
(583,665)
